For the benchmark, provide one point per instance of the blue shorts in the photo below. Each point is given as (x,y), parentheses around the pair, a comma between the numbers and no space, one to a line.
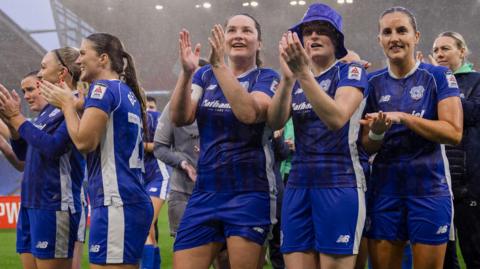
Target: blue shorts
(425,220)
(47,234)
(158,188)
(82,225)
(324,220)
(213,217)
(118,233)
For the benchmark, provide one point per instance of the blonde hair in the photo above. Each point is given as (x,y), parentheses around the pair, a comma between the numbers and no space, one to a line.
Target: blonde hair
(459,41)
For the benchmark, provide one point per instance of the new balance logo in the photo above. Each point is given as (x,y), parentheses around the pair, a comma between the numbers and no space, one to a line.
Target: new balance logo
(95,248)
(343,239)
(153,189)
(42,244)
(442,229)
(259,229)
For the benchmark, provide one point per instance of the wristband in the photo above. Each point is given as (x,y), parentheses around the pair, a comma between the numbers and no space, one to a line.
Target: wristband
(375,137)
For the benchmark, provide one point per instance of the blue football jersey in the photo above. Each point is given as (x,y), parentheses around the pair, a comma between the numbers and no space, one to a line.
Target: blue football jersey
(233,156)
(154,168)
(54,169)
(408,164)
(115,167)
(324,158)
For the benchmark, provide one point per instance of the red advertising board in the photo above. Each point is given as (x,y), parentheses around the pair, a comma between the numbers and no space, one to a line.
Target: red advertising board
(9,208)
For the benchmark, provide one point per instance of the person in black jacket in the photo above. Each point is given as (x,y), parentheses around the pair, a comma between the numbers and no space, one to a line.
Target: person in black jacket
(450,50)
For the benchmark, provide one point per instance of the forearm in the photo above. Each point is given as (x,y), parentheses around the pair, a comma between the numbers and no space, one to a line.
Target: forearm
(182,111)
(50,145)
(242,103)
(371,146)
(324,106)
(165,154)
(81,141)
(279,110)
(434,130)
(10,156)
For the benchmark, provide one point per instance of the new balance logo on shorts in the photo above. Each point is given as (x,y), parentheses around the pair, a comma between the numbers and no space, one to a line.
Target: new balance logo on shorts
(259,229)
(42,244)
(94,248)
(343,239)
(442,229)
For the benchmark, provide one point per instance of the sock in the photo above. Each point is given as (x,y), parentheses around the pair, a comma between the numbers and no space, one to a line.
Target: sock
(157,258)
(148,257)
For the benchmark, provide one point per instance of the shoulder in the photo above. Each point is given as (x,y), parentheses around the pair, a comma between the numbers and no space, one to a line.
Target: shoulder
(377,74)
(434,70)
(268,72)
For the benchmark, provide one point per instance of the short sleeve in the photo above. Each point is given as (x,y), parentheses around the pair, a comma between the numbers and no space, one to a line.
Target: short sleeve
(102,96)
(266,82)
(353,75)
(447,85)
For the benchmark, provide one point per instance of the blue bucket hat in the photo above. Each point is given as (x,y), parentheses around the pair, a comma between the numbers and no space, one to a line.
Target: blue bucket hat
(322,12)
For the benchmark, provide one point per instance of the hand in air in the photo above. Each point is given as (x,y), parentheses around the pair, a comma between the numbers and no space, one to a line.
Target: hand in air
(188,57)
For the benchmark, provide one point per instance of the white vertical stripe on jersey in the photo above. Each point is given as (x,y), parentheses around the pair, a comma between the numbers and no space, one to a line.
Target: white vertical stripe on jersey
(353,131)
(165,179)
(109,170)
(116,234)
(65,171)
(82,225)
(272,186)
(62,233)
(448,177)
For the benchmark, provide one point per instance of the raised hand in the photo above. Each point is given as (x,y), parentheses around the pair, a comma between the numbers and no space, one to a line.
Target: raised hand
(295,55)
(59,96)
(217,44)
(283,57)
(9,103)
(188,57)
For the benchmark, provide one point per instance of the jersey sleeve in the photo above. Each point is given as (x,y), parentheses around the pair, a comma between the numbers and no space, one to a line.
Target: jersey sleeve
(102,96)
(447,85)
(266,82)
(353,75)
(198,77)
(51,145)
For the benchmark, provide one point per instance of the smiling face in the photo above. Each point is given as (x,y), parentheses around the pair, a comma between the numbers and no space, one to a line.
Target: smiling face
(447,53)
(397,37)
(32,95)
(319,40)
(89,61)
(241,38)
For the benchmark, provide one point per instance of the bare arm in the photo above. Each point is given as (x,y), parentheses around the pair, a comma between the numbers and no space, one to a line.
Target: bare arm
(183,105)
(10,155)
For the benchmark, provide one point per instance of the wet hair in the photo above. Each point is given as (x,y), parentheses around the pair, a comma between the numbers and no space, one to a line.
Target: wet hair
(151,99)
(411,17)
(67,56)
(258,60)
(31,74)
(459,41)
(121,62)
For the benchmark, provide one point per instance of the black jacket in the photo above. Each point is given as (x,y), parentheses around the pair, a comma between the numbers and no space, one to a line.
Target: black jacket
(464,159)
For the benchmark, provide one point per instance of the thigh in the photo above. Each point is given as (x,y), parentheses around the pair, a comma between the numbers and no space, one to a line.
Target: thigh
(200,257)
(385,254)
(329,261)
(302,260)
(54,263)
(28,261)
(177,202)
(429,220)
(428,256)
(53,233)
(386,219)
(243,253)
(362,256)
(297,230)
(118,233)
(338,218)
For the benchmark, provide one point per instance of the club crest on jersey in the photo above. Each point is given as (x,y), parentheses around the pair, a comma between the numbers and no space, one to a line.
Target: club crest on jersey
(452,81)
(354,72)
(245,84)
(325,84)
(417,92)
(98,91)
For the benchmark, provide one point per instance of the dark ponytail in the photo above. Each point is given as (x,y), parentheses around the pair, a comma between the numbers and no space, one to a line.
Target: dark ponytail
(122,63)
